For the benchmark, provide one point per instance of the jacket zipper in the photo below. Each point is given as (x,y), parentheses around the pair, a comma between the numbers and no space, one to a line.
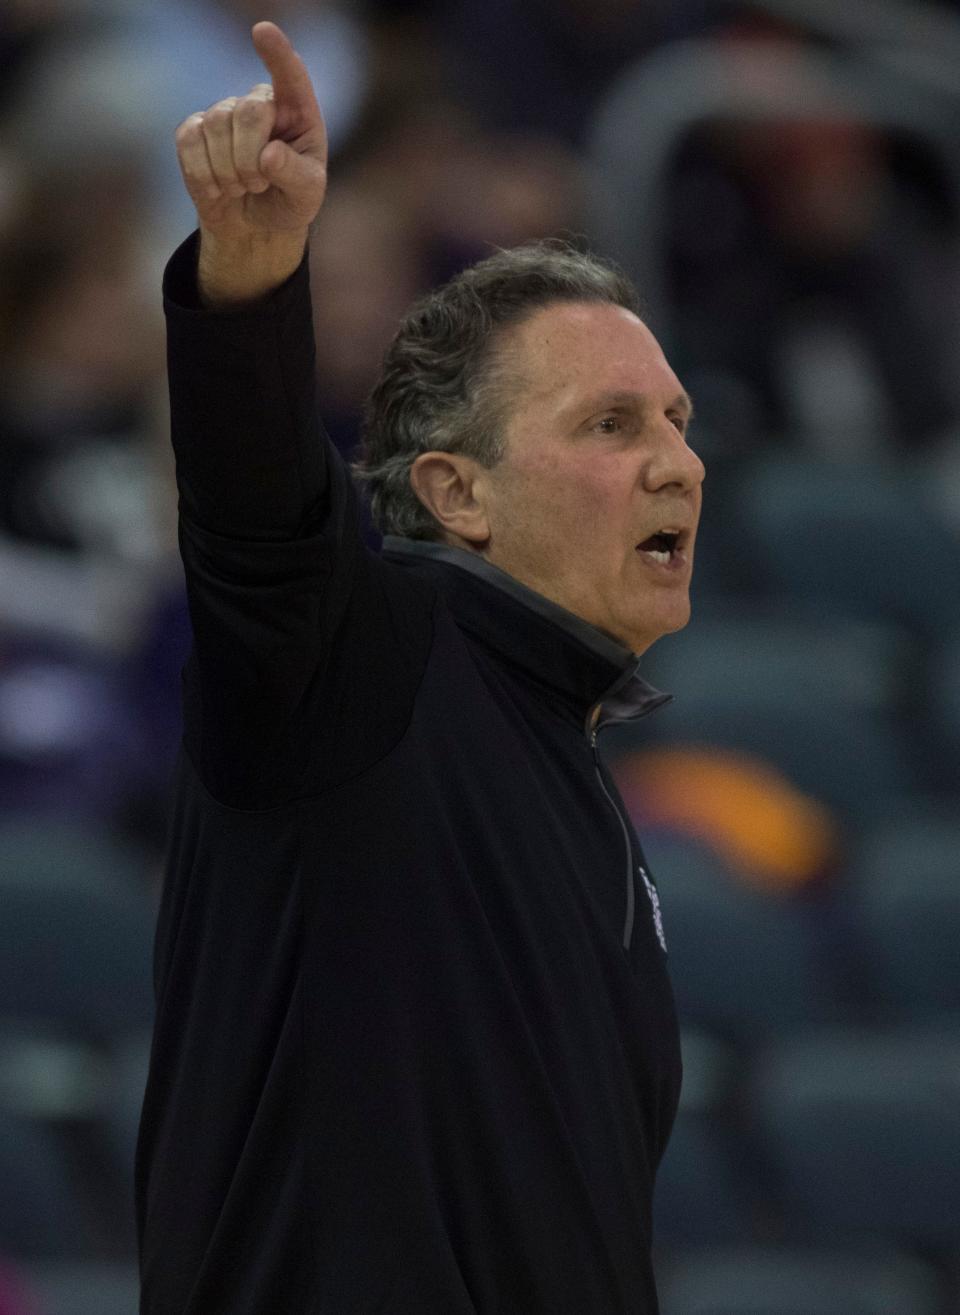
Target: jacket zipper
(631,880)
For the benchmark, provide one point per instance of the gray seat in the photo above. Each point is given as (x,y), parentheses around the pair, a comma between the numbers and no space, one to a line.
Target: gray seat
(49,1078)
(43,1210)
(76,936)
(744,966)
(778,1281)
(835,535)
(862,1133)
(764,655)
(89,1288)
(815,696)
(904,908)
(859,768)
(706,1192)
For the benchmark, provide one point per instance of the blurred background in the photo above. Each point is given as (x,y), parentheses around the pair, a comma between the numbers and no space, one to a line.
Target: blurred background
(782,179)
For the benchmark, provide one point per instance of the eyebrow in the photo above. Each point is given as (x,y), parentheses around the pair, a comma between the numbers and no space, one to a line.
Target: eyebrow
(682,402)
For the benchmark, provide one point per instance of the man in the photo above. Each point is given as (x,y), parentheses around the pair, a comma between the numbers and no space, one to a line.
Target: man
(415,1047)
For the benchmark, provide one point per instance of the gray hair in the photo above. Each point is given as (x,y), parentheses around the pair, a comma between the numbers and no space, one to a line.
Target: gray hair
(443,386)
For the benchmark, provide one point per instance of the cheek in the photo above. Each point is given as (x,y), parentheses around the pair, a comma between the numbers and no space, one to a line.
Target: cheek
(570,512)
(579,493)
(596,510)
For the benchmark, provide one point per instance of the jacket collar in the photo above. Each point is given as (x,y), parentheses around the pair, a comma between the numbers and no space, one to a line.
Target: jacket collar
(596,678)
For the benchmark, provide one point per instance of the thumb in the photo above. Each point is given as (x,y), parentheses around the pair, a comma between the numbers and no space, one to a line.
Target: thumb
(300,176)
(275,161)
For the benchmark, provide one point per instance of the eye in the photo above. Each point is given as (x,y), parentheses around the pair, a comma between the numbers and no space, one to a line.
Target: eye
(679,423)
(609,424)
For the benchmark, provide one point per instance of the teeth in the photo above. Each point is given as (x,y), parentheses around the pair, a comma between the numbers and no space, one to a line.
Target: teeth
(661,557)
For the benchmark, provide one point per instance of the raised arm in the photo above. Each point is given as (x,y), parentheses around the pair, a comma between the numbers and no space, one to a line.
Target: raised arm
(268,518)
(256,170)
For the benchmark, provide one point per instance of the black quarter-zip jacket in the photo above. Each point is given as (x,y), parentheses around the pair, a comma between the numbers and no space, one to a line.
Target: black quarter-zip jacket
(415,1048)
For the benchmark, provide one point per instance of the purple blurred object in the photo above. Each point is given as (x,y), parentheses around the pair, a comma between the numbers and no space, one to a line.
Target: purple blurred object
(14,1299)
(69,739)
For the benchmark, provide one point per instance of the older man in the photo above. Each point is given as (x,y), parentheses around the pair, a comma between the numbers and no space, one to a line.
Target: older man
(415,1048)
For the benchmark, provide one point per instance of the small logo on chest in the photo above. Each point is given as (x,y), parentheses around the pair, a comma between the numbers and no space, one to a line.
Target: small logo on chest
(655,904)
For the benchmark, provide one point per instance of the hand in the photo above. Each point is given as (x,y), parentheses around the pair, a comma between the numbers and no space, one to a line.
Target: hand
(256,169)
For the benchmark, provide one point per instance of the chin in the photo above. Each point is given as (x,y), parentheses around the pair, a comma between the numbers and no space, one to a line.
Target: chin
(642,638)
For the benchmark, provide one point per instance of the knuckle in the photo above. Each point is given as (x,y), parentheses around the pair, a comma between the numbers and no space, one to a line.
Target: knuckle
(252,112)
(220,112)
(188,131)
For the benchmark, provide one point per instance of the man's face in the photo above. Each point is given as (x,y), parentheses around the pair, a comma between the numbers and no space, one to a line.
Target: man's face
(596,464)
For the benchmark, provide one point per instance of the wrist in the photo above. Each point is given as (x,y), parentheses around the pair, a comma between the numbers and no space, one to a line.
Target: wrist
(234,269)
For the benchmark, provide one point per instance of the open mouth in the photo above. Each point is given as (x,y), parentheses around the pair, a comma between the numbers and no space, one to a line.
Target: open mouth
(661,547)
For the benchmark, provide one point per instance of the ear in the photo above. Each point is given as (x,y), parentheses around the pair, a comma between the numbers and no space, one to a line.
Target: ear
(452,488)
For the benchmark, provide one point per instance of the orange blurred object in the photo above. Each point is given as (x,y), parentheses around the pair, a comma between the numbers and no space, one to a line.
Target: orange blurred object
(774,836)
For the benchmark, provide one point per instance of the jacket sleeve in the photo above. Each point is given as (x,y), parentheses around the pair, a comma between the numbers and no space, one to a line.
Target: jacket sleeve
(269,533)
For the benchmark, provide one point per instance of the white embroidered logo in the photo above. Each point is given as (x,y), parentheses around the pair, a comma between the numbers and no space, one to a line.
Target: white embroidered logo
(655,902)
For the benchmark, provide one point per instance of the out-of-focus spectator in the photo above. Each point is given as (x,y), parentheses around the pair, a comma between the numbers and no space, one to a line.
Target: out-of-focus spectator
(85,505)
(123,75)
(82,348)
(26,28)
(421,190)
(366,268)
(817,283)
(812,268)
(540,65)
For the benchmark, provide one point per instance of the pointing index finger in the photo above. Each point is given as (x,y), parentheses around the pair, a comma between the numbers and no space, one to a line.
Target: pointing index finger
(292,88)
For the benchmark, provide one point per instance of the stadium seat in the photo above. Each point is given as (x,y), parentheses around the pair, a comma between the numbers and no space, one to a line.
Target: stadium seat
(857,767)
(76,936)
(48,1077)
(836,535)
(779,1281)
(89,1288)
(814,696)
(43,1211)
(861,1131)
(904,910)
(705,1193)
(766,654)
(744,965)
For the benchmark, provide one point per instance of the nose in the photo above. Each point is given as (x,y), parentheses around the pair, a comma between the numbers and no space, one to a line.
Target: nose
(672,462)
